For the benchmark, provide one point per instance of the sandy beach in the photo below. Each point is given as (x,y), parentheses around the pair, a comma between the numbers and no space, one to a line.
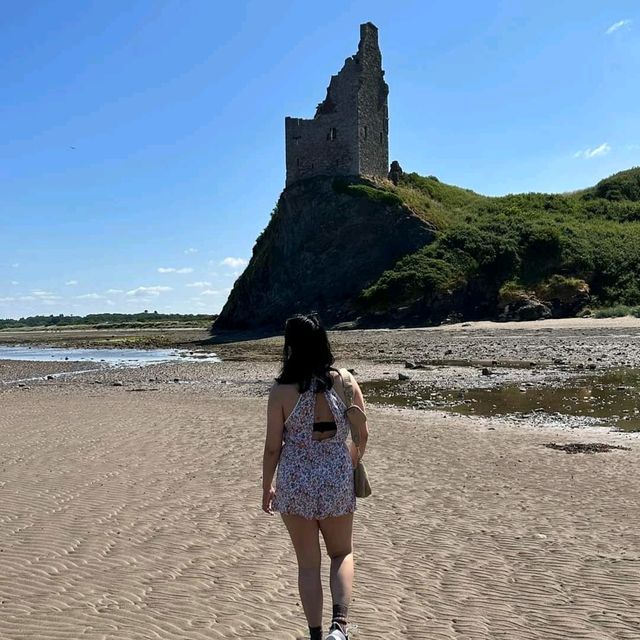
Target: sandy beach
(133,511)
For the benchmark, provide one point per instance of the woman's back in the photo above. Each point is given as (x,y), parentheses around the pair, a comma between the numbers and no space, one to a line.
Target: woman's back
(315,475)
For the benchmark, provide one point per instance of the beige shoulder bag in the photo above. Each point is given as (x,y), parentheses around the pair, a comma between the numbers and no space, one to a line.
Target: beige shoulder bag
(357,419)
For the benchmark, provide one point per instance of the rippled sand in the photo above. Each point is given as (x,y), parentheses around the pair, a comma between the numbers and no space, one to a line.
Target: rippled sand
(136,515)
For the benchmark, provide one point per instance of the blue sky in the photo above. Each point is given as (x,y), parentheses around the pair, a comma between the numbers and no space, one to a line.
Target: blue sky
(142,142)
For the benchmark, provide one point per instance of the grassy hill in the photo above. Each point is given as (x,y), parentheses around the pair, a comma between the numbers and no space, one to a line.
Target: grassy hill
(490,250)
(376,253)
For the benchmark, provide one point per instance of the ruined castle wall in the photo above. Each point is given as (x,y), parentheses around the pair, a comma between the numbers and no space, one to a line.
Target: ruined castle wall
(373,115)
(348,135)
(328,143)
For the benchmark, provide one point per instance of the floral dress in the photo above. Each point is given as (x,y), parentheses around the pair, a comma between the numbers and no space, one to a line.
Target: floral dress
(315,477)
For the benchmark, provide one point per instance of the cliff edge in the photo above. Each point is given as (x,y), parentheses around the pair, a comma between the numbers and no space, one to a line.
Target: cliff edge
(327,240)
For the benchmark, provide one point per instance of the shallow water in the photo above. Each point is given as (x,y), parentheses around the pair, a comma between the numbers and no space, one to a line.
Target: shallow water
(120,357)
(608,399)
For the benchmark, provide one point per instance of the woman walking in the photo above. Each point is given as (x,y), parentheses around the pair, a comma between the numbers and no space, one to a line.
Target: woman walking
(306,440)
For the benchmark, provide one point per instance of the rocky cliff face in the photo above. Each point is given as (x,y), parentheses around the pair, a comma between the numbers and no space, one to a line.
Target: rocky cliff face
(327,240)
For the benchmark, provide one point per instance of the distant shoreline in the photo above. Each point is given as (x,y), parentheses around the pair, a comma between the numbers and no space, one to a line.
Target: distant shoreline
(244,342)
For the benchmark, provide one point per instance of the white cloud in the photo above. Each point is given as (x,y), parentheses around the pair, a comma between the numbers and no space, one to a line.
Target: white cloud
(214,292)
(115,291)
(174,270)
(90,296)
(617,25)
(145,292)
(7,299)
(234,263)
(71,283)
(15,283)
(44,295)
(190,250)
(199,285)
(602,150)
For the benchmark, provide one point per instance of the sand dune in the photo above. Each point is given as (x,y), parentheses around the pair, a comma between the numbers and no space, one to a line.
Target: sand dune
(137,516)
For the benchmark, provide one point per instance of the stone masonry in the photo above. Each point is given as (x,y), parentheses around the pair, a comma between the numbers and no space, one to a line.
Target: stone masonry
(349,134)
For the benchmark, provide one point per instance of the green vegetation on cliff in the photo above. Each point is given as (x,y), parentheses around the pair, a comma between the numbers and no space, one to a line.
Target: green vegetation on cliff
(585,241)
(421,251)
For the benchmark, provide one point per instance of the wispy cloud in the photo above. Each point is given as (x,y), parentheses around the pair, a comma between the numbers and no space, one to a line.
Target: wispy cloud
(44,295)
(71,283)
(7,299)
(15,283)
(15,265)
(199,285)
(190,251)
(145,292)
(616,26)
(633,147)
(234,263)
(174,270)
(214,292)
(90,296)
(602,150)
(115,291)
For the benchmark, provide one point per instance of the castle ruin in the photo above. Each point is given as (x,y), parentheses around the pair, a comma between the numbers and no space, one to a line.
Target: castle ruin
(349,134)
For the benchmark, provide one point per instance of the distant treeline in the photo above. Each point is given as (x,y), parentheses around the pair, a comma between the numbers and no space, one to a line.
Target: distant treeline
(112,320)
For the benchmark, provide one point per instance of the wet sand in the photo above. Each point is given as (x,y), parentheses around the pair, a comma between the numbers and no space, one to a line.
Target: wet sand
(133,511)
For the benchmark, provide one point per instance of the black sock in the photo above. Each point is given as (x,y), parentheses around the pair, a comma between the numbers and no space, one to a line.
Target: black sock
(340,612)
(315,633)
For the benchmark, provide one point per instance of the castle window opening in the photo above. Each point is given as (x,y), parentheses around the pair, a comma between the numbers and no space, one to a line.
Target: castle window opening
(381,140)
(332,134)
(364,132)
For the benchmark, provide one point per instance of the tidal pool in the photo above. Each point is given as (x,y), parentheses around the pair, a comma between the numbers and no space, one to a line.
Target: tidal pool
(608,399)
(120,357)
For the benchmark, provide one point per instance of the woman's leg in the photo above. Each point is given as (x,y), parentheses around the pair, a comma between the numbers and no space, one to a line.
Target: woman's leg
(338,536)
(306,542)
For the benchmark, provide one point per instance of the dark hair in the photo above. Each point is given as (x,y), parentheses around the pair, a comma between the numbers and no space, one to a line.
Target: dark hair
(307,355)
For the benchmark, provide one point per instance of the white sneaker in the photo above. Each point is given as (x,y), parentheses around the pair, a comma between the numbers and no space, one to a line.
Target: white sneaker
(336,632)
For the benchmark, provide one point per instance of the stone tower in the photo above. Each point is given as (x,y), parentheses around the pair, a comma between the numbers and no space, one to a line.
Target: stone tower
(349,134)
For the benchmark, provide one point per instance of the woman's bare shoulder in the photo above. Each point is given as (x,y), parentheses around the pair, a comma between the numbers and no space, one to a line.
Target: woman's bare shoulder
(281,391)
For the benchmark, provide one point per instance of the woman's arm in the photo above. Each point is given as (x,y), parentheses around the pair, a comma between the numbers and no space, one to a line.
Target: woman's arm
(272,447)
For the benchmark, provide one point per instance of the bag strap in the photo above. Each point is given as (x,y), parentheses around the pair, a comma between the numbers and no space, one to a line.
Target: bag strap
(347,385)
